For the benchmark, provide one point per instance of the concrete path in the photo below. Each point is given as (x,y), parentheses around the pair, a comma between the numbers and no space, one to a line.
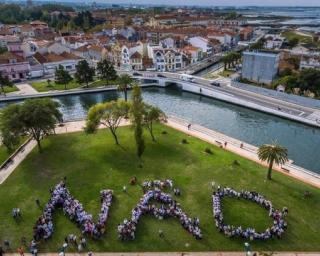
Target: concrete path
(24,89)
(174,254)
(5,173)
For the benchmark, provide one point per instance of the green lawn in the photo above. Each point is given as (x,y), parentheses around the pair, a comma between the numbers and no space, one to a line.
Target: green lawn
(92,163)
(4,153)
(99,83)
(8,89)
(43,85)
(289,35)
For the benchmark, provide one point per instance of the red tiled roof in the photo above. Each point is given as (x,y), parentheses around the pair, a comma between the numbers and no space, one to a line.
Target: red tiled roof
(7,56)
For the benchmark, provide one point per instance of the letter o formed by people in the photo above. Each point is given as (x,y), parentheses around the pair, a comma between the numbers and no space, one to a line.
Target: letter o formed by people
(278,216)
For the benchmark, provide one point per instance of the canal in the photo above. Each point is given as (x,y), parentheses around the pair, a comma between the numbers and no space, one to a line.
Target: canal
(302,141)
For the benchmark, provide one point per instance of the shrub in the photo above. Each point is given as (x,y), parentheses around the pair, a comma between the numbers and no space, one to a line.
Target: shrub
(208,151)
(184,141)
(236,162)
(164,132)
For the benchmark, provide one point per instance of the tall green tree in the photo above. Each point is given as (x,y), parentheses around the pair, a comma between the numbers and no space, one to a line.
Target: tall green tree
(259,45)
(62,76)
(151,115)
(36,118)
(124,83)
(4,81)
(84,73)
(106,71)
(9,120)
(272,153)
(137,108)
(109,114)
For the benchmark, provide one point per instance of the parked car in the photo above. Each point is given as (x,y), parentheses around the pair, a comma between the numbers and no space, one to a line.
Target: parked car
(160,75)
(215,84)
(137,74)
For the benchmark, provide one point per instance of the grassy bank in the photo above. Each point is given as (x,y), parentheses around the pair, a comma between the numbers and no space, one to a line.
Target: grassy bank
(92,163)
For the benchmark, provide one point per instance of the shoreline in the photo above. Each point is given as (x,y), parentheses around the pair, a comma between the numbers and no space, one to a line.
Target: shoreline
(205,92)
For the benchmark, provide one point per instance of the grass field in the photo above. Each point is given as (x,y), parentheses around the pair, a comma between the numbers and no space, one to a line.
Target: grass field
(92,163)
(5,153)
(8,89)
(289,35)
(43,85)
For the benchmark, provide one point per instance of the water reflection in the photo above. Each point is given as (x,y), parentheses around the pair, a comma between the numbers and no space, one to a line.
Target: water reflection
(303,142)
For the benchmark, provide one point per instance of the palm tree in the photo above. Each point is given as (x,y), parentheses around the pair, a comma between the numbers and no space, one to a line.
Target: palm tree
(124,83)
(272,153)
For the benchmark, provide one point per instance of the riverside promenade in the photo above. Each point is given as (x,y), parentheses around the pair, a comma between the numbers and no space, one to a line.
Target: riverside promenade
(228,143)
(174,254)
(274,106)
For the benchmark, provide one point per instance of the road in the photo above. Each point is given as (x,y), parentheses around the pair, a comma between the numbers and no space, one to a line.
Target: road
(268,102)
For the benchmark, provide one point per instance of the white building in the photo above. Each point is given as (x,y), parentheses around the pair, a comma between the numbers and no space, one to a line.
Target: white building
(202,43)
(310,63)
(50,61)
(30,47)
(273,41)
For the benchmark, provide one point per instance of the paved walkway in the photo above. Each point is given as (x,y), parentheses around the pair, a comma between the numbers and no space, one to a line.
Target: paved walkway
(5,173)
(24,89)
(174,254)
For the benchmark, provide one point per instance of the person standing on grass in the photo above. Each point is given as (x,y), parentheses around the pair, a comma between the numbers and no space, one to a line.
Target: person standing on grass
(1,251)
(83,242)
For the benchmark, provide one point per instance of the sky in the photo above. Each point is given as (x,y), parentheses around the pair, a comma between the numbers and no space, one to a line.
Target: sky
(223,2)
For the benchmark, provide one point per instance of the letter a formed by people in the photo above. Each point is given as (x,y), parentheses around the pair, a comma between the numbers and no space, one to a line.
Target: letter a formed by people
(172,209)
(61,198)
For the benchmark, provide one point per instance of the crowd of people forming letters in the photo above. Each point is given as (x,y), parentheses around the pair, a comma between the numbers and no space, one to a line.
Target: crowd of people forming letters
(154,191)
(168,208)
(279,224)
(61,198)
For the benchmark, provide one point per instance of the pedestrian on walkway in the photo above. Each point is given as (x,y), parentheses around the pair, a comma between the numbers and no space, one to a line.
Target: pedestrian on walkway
(1,251)
(241,145)
(247,249)
(225,144)
(189,126)
(20,251)
(6,245)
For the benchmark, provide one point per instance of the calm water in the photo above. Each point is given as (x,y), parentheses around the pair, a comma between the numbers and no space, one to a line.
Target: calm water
(303,142)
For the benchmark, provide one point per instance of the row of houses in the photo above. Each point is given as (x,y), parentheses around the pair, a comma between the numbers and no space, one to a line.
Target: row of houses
(128,48)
